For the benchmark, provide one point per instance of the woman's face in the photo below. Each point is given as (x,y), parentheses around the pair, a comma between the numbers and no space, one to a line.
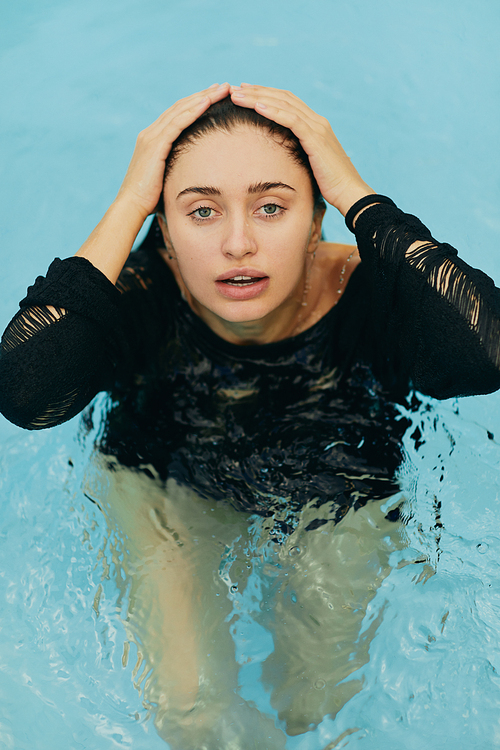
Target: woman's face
(239,223)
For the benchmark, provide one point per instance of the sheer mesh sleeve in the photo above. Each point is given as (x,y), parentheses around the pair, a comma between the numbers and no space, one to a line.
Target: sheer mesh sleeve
(75,335)
(435,320)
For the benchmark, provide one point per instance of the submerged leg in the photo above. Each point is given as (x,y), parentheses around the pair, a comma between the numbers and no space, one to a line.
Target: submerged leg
(169,551)
(328,577)
(150,552)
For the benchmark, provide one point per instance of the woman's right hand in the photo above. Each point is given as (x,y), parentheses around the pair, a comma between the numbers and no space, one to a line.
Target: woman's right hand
(110,243)
(143,183)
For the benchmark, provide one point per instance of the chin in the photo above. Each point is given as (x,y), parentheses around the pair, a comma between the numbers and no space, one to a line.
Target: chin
(242,316)
(250,311)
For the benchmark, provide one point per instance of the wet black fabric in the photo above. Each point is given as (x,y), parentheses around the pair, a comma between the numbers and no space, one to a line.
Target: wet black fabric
(267,427)
(312,418)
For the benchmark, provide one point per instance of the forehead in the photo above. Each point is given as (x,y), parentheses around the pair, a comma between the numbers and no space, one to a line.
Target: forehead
(236,159)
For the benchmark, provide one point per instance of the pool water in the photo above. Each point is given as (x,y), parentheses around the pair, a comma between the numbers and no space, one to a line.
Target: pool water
(413,94)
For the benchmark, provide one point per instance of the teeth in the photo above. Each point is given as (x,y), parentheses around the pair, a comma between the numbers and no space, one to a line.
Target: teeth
(242,280)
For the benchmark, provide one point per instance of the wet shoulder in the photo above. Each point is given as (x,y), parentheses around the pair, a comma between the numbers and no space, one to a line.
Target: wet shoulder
(330,274)
(337,261)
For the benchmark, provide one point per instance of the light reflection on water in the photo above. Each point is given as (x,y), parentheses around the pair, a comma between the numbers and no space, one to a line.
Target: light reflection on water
(61,679)
(420,613)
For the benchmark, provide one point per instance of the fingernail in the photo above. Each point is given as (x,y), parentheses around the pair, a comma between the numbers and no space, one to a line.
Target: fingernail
(238,95)
(236,88)
(260,105)
(213,86)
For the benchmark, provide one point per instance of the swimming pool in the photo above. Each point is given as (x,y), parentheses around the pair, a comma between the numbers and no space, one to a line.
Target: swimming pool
(413,94)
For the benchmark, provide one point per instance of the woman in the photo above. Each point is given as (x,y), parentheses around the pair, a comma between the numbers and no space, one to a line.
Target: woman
(250,362)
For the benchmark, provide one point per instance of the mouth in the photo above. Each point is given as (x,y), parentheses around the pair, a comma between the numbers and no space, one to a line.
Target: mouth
(246,284)
(243,280)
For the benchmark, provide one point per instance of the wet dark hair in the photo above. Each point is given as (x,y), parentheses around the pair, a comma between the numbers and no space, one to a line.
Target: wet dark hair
(225,115)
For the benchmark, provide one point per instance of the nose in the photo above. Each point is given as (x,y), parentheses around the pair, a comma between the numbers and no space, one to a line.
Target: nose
(238,240)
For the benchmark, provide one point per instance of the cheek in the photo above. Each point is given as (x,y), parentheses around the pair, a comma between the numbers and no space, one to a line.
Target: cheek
(294,246)
(196,266)
(183,244)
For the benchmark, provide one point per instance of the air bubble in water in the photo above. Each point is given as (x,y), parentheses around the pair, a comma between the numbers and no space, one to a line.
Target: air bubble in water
(294,551)
(482,547)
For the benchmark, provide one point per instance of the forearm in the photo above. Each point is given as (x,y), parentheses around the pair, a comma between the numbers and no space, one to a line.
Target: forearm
(109,245)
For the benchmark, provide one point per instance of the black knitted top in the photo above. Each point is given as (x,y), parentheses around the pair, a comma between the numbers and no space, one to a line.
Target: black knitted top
(313,418)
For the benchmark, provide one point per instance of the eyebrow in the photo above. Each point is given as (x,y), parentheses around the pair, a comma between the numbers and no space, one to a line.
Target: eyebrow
(264,187)
(257,187)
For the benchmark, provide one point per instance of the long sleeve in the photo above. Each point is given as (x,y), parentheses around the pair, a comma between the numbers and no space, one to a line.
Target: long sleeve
(75,335)
(434,320)
(421,317)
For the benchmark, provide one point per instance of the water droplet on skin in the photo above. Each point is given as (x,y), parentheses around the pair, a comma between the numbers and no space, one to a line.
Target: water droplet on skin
(294,551)
(234,588)
(482,547)
(319,684)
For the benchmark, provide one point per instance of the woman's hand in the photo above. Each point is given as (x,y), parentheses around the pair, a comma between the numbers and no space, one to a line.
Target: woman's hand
(110,243)
(338,180)
(143,183)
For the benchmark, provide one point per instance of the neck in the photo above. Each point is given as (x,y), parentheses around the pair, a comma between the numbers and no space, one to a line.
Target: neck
(285,321)
(279,324)
(290,318)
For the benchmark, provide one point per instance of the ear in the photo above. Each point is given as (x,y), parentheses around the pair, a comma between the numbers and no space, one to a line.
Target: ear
(315,238)
(166,236)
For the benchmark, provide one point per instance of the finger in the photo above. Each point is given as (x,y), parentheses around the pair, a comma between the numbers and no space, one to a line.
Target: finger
(278,110)
(178,117)
(281,94)
(263,97)
(251,94)
(214,93)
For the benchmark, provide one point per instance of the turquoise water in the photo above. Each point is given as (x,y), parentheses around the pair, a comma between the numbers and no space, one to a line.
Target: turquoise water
(413,94)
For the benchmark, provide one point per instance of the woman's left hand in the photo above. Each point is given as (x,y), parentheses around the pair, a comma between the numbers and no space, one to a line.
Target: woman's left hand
(338,180)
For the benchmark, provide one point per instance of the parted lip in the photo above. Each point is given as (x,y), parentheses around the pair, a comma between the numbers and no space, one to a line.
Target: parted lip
(241,272)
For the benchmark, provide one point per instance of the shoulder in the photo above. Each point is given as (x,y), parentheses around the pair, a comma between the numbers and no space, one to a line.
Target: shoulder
(334,265)
(330,254)
(330,272)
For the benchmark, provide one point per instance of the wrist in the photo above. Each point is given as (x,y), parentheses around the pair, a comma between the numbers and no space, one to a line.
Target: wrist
(129,210)
(352,195)
(110,243)
(361,205)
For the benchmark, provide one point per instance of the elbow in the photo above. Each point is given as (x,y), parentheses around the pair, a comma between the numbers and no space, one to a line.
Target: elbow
(51,377)
(30,414)
(34,405)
